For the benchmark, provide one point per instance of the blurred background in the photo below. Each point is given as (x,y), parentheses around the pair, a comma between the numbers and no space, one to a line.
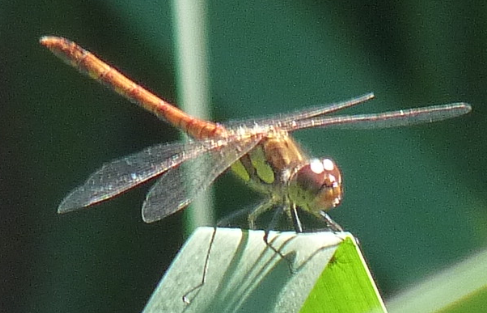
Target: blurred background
(415,197)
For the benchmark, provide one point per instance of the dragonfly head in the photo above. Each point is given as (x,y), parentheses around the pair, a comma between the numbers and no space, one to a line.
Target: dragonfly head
(316,186)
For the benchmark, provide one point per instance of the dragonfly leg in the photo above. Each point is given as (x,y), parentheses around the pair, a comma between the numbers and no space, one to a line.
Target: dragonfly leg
(264,206)
(334,226)
(272,224)
(231,219)
(293,214)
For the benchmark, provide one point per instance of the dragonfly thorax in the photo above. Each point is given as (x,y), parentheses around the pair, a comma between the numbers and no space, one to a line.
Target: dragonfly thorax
(316,186)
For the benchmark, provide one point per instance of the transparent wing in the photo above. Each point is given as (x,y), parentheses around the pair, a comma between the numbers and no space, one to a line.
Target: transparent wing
(180,185)
(386,119)
(117,176)
(282,120)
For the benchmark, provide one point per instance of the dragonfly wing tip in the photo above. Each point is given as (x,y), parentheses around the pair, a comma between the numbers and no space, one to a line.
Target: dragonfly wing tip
(64,208)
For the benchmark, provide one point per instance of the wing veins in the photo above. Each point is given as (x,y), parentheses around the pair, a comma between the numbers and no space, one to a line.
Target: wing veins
(177,187)
(287,119)
(386,119)
(122,174)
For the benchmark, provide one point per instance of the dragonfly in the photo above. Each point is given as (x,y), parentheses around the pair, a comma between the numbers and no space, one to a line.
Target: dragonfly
(260,151)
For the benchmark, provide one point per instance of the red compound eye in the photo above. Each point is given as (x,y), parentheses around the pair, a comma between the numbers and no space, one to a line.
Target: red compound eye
(316,186)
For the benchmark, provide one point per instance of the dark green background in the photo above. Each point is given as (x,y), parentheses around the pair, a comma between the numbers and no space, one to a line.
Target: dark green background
(415,197)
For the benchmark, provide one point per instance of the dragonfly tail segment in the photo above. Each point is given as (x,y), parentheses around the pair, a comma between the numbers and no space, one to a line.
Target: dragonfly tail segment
(88,64)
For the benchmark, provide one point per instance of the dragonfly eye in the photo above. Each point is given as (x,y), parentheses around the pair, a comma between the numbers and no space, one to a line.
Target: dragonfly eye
(316,186)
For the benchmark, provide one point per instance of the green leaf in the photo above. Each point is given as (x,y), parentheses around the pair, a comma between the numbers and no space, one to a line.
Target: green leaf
(246,275)
(345,284)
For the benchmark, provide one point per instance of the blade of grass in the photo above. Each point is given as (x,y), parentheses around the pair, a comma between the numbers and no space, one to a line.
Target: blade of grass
(245,275)
(193,84)
(460,288)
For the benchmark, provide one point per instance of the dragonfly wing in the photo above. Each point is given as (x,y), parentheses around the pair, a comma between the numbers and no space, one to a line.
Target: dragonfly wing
(283,120)
(386,119)
(177,188)
(117,176)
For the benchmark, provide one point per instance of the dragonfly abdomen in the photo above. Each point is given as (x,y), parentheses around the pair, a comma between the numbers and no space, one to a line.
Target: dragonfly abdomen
(88,64)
